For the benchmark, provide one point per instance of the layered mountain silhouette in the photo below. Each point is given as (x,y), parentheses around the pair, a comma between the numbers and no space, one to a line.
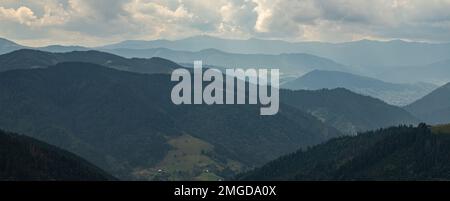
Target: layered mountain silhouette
(25,159)
(434,108)
(397,153)
(392,93)
(7,46)
(364,53)
(116,113)
(126,123)
(347,111)
(294,63)
(384,60)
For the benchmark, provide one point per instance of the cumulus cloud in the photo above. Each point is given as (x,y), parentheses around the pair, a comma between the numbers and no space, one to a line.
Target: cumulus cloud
(24,15)
(99,22)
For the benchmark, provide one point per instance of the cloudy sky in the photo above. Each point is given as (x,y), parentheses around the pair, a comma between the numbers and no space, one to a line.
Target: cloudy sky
(97,22)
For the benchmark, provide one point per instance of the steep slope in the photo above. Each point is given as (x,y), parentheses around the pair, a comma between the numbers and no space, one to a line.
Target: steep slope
(346,110)
(397,153)
(126,123)
(395,94)
(8,46)
(27,59)
(294,63)
(25,159)
(434,108)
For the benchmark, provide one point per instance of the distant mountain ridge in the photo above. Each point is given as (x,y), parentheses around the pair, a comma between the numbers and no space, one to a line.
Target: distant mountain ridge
(434,108)
(384,60)
(25,159)
(8,46)
(371,57)
(395,94)
(125,123)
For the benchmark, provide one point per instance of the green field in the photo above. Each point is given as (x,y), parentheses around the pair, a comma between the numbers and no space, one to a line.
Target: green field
(189,157)
(441,129)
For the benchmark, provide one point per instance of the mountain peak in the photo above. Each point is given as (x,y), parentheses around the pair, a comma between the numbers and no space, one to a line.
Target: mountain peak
(8,46)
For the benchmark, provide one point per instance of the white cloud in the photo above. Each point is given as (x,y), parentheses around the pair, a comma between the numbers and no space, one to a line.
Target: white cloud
(24,15)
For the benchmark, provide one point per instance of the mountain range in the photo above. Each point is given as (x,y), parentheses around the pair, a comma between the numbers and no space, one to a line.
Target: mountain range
(392,93)
(9,46)
(384,60)
(25,159)
(364,53)
(347,111)
(292,63)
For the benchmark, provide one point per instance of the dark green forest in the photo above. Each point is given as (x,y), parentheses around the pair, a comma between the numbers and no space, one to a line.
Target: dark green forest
(25,159)
(125,122)
(395,153)
(117,114)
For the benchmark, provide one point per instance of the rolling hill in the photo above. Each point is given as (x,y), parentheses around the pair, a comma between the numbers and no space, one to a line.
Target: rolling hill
(126,124)
(384,60)
(396,153)
(347,111)
(434,108)
(25,159)
(392,93)
(29,59)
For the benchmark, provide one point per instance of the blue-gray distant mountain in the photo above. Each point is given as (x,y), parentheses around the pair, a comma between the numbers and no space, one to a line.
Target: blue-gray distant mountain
(434,108)
(392,93)
(294,63)
(362,53)
(372,58)
(437,72)
(368,56)
(25,159)
(8,46)
(347,111)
